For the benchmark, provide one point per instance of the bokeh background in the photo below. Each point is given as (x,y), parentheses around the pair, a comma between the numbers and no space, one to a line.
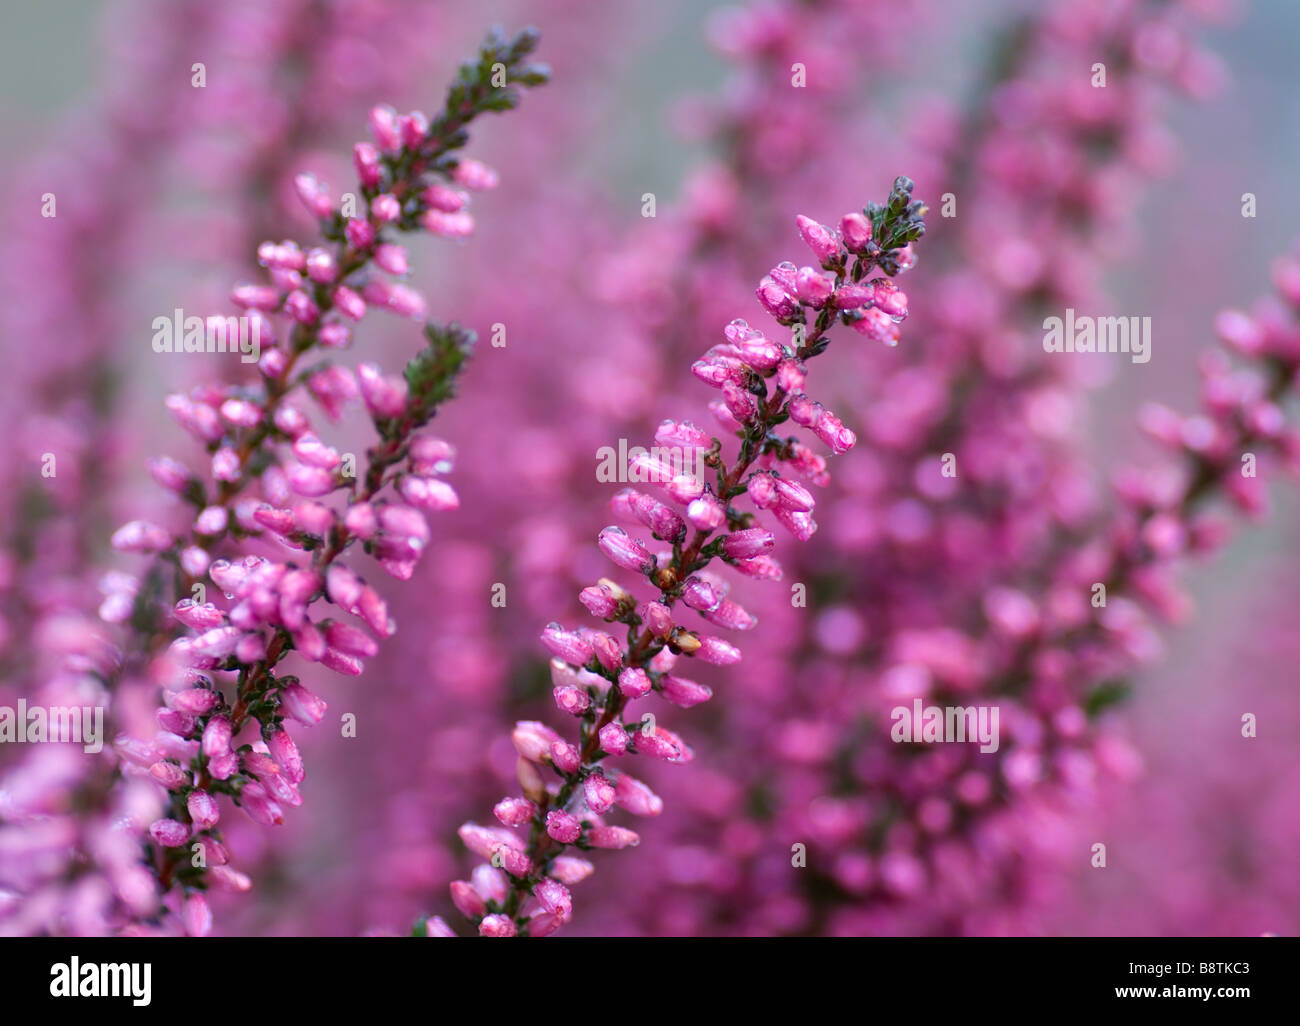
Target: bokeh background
(1202,840)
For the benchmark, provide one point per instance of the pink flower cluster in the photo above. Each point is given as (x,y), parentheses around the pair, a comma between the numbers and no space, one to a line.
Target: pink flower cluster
(268,472)
(525,887)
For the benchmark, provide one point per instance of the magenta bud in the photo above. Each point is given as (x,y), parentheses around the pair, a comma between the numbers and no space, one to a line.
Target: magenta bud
(613,739)
(856,230)
(716,651)
(634,796)
(196,915)
(555,898)
(600,601)
(563,826)
(762,490)
(452,226)
(466,899)
(302,705)
(683,434)
(812,287)
(428,493)
(216,736)
(747,544)
(634,682)
(170,775)
(365,158)
(392,258)
(731,616)
(599,793)
(497,925)
(385,209)
(169,833)
(624,551)
(203,809)
(475,175)
(706,513)
(567,645)
(612,837)
(383,126)
(565,757)
(775,299)
(314,195)
(570,870)
(533,740)
(514,812)
(286,754)
(444,198)
(259,805)
(395,297)
(683,692)
(699,594)
(360,234)
(572,700)
(819,238)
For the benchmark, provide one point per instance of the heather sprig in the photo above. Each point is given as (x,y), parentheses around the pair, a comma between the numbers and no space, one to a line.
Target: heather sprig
(525,888)
(269,473)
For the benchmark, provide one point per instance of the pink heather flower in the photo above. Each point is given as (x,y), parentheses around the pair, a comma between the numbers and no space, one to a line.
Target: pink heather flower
(533,740)
(716,651)
(570,699)
(555,898)
(169,832)
(497,926)
(570,870)
(286,755)
(856,230)
(565,757)
(436,926)
(385,208)
(361,234)
(515,812)
(314,195)
(776,300)
(625,552)
(383,125)
(202,808)
(302,705)
(140,536)
(601,600)
(612,837)
(395,297)
(452,226)
(475,175)
(634,682)
(683,692)
(441,197)
(598,792)
(562,826)
(566,645)
(467,899)
(706,513)
(197,915)
(613,738)
(819,238)
(812,287)
(636,797)
(747,544)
